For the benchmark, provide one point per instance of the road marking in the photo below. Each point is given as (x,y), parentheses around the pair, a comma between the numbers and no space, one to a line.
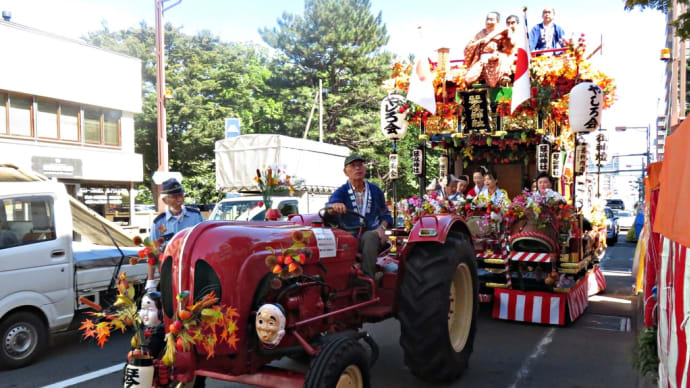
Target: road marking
(601,298)
(87,377)
(538,351)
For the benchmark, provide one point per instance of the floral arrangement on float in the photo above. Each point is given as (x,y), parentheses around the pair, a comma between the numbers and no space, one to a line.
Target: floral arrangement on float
(596,215)
(542,209)
(411,209)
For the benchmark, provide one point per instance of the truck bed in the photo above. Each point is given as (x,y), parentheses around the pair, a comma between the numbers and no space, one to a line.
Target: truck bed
(94,266)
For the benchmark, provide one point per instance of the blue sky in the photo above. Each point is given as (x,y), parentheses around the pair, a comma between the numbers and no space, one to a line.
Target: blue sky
(632,40)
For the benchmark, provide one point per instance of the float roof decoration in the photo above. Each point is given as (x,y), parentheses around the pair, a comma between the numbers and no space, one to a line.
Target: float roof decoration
(552,77)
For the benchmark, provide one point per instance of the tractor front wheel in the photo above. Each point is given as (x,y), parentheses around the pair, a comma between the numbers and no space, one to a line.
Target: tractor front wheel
(341,363)
(438,308)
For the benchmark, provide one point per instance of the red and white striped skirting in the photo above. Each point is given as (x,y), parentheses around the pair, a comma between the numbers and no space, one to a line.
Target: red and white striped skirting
(531,257)
(541,307)
(578,298)
(597,282)
(529,306)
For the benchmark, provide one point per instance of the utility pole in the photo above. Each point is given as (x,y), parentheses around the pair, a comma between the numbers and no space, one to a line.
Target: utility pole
(160,94)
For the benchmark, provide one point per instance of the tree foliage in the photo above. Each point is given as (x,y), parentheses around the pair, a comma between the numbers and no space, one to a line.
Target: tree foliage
(337,41)
(209,80)
(682,21)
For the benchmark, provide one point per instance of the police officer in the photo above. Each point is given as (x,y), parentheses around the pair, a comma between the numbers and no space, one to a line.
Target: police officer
(175,218)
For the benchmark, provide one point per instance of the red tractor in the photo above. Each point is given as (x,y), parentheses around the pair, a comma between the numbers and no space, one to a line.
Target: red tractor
(325,300)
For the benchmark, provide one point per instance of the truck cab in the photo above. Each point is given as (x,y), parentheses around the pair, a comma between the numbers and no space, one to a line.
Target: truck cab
(45,268)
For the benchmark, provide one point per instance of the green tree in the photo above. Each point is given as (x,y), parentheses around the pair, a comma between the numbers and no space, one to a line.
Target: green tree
(682,22)
(341,43)
(210,80)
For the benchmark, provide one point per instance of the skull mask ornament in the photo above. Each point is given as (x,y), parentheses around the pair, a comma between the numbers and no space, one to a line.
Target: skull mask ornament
(270,324)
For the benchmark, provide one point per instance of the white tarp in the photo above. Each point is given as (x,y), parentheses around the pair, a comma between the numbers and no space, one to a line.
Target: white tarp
(319,164)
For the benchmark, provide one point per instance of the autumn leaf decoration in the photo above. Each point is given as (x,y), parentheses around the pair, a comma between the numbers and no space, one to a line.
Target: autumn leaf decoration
(288,263)
(150,252)
(204,324)
(122,314)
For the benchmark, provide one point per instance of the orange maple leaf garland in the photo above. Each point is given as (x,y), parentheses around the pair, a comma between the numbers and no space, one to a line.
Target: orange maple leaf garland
(198,324)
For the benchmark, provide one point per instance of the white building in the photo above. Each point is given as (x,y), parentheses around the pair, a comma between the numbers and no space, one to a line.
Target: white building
(67,111)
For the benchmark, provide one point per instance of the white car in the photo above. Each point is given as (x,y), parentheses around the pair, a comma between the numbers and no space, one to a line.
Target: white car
(626,219)
(251,208)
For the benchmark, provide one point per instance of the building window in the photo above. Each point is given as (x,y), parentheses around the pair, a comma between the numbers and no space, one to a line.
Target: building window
(92,125)
(69,122)
(20,115)
(111,127)
(46,119)
(3,113)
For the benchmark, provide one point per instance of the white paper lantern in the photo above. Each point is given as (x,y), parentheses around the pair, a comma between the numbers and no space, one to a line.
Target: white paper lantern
(586,101)
(393,123)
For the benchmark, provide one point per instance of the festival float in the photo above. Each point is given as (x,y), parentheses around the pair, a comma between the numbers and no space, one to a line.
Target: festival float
(537,254)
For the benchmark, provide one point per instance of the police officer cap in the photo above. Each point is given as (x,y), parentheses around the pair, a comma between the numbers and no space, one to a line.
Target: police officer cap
(172,187)
(352,158)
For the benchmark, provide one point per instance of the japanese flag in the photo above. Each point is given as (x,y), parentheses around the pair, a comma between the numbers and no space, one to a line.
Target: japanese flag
(521,85)
(421,90)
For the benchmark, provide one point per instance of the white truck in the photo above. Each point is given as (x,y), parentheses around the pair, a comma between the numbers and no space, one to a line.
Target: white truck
(44,271)
(319,165)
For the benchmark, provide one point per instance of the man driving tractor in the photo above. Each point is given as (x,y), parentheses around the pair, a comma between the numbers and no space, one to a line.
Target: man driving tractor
(366,199)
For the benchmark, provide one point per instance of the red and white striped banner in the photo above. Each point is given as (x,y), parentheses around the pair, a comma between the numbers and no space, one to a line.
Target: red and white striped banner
(533,257)
(674,303)
(596,280)
(535,307)
(578,298)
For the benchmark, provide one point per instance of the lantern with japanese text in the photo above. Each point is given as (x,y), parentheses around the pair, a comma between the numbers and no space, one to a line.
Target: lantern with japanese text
(393,166)
(580,158)
(556,164)
(393,123)
(417,160)
(543,156)
(586,101)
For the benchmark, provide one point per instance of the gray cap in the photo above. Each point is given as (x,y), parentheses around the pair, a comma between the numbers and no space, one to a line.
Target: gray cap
(352,158)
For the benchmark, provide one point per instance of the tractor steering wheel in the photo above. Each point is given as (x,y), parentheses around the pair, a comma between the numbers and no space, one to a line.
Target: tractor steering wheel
(334,220)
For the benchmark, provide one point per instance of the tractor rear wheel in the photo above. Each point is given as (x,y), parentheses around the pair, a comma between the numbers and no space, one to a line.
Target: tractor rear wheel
(438,308)
(341,363)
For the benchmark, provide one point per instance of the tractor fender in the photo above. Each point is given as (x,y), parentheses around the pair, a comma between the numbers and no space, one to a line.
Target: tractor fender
(435,228)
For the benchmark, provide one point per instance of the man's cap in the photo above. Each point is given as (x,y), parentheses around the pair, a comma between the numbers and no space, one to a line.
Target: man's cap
(352,158)
(172,187)
(454,179)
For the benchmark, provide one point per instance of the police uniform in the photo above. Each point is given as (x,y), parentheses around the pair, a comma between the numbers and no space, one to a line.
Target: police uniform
(166,224)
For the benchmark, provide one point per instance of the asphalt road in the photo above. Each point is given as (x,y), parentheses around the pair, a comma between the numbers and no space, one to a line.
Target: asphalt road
(594,351)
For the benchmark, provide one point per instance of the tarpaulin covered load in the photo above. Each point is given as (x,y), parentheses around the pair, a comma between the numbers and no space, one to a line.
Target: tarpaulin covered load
(320,165)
